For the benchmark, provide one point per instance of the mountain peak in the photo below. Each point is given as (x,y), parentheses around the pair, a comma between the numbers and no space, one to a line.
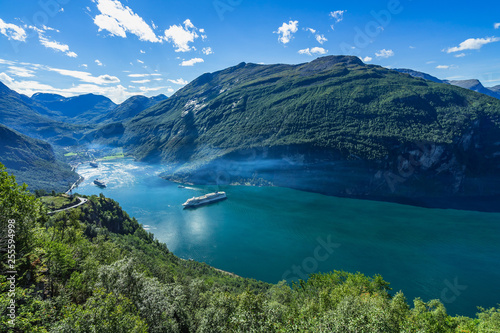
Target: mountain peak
(324,63)
(471,84)
(44,97)
(422,75)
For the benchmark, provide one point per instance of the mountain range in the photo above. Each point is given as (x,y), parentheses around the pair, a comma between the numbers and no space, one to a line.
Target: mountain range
(28,123)
(334,125)
(472,84)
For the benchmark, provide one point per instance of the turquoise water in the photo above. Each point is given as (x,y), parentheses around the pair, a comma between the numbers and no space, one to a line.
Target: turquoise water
(271,234)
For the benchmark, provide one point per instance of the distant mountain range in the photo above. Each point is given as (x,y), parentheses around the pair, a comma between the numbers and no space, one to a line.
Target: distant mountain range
(334,125)
(474,85)
(60,120)
(92,108)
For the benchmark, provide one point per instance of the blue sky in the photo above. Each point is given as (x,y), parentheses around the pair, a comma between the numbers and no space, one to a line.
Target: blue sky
(122,48)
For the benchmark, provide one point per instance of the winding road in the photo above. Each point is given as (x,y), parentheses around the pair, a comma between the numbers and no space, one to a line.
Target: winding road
(82,201)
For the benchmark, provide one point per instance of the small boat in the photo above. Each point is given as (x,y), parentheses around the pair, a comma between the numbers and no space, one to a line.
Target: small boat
(99,183)
(205,199)
(94,164)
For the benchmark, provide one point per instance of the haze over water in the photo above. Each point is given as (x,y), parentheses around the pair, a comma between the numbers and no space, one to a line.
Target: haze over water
(268,233)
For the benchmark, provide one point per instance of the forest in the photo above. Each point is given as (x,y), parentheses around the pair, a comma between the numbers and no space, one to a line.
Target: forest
(95,269)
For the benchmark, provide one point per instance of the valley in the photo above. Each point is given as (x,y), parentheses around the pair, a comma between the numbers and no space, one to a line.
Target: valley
(335,126)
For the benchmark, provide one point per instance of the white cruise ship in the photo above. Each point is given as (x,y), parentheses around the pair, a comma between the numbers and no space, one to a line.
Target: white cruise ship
(205,199)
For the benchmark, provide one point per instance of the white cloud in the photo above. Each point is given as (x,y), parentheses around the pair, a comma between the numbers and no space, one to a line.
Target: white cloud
(102,85)
(311,30)
(144,75)
(141,81)
(430,62)
(7,62)
(98,62)
(181,82)
(142,52)
(116,93)
(182,36)
(412,47)
(314,50)
(12,31)
(118,20)
(85,76)
(21,71)
(473,44)
(338,15)
(51,44)
(191,62)
(140,61)
(46,28)
(5,78)
(321,39)
(384,53)
(496,25)
(442,67)
(460,55)
(149,89)
(207,51)
(56,46)
(286,31)
(367,59)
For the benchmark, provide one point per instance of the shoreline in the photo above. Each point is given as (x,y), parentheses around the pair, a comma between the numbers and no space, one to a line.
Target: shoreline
(483,204)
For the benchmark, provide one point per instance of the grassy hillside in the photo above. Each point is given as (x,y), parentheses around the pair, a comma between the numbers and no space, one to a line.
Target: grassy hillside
(95,269)
(33,162)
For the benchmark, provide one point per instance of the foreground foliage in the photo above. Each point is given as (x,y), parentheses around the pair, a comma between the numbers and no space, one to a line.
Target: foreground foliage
(95,269)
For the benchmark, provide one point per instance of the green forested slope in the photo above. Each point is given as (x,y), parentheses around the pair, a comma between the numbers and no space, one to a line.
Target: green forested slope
(94,269)
(34,162)
(335,103)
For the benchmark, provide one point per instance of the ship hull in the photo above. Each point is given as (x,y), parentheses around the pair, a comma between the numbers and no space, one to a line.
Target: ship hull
(99,184)
(203,203)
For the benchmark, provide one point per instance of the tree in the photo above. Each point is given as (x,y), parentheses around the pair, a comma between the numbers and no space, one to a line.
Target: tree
(25,213)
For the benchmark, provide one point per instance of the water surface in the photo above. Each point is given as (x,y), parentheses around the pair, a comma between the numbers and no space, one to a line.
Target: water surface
(271,233)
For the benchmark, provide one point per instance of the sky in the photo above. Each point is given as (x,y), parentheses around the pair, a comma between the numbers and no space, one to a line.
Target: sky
(121,48)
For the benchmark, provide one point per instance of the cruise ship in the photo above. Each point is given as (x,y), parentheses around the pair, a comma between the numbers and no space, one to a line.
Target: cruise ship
(99,183)
(204,199)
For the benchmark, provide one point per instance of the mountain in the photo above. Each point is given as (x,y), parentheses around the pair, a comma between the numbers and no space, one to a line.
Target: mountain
(419,74)
(475,85)
(21,113)
(44,97)
(79,109)
(33,162)
(334,126)
(129,109)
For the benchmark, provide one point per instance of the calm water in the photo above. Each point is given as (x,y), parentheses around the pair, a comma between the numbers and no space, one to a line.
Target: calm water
(273,234)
